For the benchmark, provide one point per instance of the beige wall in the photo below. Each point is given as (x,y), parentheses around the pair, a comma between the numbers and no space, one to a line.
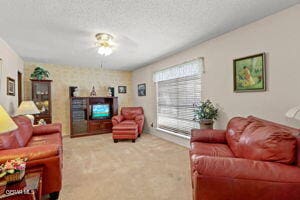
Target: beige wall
(85,78)
(10,64)
(277,35)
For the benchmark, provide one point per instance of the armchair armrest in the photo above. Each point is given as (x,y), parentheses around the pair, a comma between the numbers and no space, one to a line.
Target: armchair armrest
(31,153)
(239,168)
(117,119)
(47,129)
(208,136)
(139,118)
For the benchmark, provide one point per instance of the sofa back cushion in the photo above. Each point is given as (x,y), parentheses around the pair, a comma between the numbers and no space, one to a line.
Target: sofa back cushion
(130,113)
(267,143)
(258,140)
(24,132)
(235,128)
(294,131)
(8,141)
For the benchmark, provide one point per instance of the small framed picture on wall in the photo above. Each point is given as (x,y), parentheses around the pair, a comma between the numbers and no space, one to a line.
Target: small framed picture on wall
(122,89)
(142,89)
(11,86)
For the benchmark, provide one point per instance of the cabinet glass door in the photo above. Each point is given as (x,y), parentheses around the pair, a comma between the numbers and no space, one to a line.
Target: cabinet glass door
(41,92)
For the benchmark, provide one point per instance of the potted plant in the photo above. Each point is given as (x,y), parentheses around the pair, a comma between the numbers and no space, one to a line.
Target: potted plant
(40,73)
(205,112)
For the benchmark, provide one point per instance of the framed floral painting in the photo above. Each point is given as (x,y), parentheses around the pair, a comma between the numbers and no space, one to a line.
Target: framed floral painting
(249,73)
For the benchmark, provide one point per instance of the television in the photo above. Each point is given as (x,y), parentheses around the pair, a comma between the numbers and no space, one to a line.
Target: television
(100,111)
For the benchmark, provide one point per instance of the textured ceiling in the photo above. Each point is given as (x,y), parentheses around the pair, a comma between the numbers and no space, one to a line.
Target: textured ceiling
(62,31)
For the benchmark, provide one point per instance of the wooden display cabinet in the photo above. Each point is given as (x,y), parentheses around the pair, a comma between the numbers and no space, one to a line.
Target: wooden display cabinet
(81,122)
(41,96)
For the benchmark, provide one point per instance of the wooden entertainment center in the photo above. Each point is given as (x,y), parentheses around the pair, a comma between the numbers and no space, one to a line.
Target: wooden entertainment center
(82,122)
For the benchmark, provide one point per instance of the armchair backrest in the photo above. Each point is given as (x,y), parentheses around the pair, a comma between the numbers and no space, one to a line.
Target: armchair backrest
(129,113)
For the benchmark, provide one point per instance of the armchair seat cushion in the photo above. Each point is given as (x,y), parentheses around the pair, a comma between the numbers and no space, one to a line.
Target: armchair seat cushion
(39,140)
(209,149)
(129,122)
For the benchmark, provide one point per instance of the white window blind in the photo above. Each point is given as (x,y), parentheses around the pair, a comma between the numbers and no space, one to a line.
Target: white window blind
(178,88)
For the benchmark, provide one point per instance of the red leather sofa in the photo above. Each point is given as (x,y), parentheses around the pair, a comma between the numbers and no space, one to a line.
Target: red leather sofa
(251,159)
(129,124)
(41,145)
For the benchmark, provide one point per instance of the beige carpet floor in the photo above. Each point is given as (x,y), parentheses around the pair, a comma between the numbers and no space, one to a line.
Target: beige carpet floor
(95,168)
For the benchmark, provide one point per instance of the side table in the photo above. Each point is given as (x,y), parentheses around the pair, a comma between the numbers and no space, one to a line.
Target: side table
(29,188)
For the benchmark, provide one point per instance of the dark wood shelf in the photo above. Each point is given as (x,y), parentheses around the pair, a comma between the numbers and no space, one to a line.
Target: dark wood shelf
(81,123)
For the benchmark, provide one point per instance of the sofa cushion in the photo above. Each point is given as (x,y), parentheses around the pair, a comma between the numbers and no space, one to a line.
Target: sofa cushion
(267,143)
(8,141)
(209,149)
(24,131)
(235,129)
(39,140)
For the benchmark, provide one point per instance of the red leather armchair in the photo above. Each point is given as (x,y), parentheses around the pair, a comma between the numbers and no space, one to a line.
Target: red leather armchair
(252,159)
(42,145)
(129,124)
(130,115)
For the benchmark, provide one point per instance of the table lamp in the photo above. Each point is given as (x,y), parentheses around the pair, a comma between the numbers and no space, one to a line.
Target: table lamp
(294,113)
(28,108)
(6,123)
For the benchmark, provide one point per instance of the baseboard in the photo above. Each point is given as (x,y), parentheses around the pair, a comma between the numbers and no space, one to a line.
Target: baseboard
(172,138)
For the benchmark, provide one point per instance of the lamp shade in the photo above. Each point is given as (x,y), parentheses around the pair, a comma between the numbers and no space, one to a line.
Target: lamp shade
(6,123)
(294,113)
(27,108)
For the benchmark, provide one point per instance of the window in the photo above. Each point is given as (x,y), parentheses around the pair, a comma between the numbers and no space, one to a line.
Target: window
(178,88)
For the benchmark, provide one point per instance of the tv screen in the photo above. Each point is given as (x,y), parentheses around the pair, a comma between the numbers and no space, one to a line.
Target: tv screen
(100,111)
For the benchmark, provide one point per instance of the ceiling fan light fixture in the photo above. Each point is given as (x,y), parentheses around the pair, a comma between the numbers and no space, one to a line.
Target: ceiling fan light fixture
(105,51)
(104,42)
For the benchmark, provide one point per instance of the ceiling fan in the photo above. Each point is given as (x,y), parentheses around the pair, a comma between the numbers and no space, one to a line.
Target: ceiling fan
(105,44)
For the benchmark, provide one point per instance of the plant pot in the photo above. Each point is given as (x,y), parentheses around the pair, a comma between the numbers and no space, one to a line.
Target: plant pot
(206,124)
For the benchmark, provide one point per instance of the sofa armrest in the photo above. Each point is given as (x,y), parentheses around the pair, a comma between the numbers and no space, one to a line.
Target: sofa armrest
(239,168)
(31,153)
(47,129)
(117,119)
(208,136)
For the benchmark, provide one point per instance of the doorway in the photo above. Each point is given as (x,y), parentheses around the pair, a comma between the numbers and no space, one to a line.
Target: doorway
(20,93)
